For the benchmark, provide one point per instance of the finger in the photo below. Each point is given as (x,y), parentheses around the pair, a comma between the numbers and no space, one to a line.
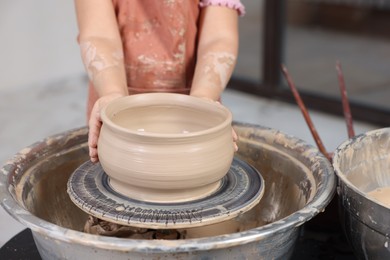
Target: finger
(93,154)
(235,146)
(94,128)
(235,136)
(93,134)
(235,139)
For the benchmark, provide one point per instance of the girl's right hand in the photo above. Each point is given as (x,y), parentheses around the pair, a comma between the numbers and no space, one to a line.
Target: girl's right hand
(95,123)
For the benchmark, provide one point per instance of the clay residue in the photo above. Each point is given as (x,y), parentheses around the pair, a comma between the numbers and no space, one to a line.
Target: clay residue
(157,50)
(219,67)
(160,70)
(169,2)
(104,228)
(101,227)
(95,61)
(288,165)
(382,195)
(365,161)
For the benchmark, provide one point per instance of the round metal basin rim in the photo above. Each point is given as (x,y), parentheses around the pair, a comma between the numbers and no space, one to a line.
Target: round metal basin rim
(49,229)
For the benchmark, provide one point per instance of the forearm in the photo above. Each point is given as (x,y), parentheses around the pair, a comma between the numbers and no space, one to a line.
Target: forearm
(101,46)
(103,60)
(213,71)
(217,52)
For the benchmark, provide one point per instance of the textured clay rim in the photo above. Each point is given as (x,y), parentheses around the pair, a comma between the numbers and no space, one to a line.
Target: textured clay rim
(168,99)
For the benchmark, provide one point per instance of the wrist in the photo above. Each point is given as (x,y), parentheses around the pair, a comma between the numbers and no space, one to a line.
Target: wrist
(112,91)
(114,94)
(206,95)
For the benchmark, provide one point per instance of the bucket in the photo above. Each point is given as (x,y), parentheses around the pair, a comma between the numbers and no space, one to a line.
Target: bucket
(362,164)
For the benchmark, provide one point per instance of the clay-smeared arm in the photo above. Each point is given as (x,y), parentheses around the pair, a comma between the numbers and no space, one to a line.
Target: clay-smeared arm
(217,52)
(102,55)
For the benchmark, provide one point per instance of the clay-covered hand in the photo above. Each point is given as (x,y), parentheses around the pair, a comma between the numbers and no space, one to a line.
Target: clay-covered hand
(95,123)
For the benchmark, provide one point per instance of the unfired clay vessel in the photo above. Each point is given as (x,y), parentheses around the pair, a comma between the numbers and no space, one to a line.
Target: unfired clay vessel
(165,147)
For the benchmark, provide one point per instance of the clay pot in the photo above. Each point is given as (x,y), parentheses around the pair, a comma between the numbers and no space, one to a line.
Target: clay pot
(165,147)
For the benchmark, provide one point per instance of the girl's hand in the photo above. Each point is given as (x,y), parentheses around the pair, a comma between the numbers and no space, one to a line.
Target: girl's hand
(234,134)
(235,139)
(95,123)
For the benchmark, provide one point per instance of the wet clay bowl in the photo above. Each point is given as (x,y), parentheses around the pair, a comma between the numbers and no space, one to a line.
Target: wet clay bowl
(362,165)
(165,147)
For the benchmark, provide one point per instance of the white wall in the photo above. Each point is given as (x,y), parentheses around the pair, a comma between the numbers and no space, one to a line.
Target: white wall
(42,91)
(31,51)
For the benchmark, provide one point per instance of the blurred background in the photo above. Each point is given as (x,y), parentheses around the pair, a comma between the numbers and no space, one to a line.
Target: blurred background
(43,85)
(309,36)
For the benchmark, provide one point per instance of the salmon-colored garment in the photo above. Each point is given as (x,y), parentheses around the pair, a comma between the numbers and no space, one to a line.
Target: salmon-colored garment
(159,44)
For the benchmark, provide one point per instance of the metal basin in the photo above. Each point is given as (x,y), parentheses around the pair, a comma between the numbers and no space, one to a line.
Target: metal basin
(362,164)
(299,183)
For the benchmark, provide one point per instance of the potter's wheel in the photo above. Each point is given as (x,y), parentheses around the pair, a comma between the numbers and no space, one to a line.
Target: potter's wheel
(240,189)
